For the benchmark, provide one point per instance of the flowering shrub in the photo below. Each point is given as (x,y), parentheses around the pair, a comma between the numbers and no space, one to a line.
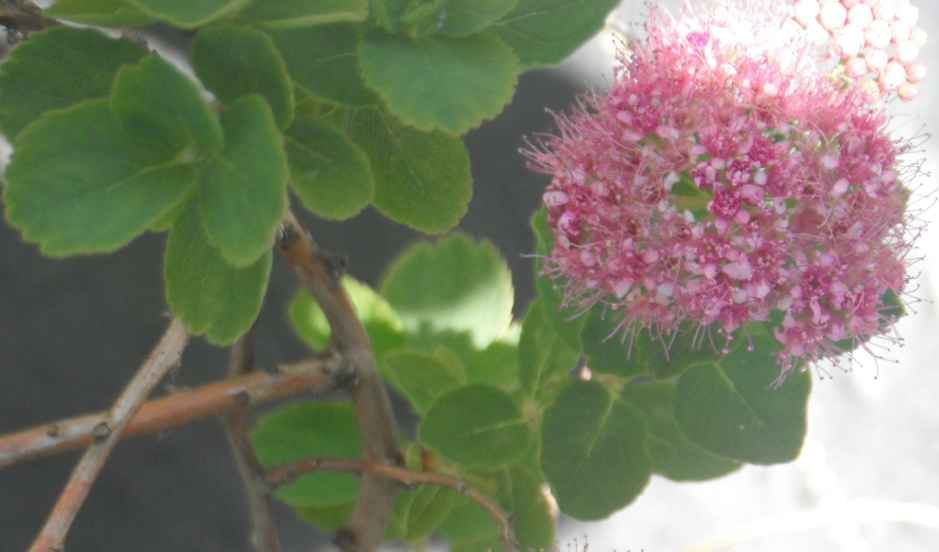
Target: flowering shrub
(728,176)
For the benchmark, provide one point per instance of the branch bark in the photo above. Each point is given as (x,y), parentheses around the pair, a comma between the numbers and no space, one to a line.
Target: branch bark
(264,529)
(165,356)
(23,17)
(320,272)
(312,375)
(285,473)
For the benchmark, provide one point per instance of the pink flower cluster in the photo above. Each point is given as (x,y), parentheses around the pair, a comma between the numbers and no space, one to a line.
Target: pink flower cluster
(872,37)
(725,178)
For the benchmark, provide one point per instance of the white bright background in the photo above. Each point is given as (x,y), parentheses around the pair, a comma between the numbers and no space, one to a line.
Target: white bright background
(868,477)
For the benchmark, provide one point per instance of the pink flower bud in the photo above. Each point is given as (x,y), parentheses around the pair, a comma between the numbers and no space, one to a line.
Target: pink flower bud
(909,14)
(900,31)
(876,60)
(850,41)
(918,36)
(806,11)
(884,12)
(855,68)
(878,35)
(861,15)
(892,76)
(906,52)
(916,71)
(908,91)
(833,16)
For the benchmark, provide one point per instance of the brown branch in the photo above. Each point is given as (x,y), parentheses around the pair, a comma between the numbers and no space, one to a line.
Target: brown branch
(285,473)
(264,533)
(313,375)
(165,356)
(320,273)
(23,17)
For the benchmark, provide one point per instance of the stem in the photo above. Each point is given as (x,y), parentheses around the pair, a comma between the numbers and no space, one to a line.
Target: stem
(285,473)
(165,356)
(24,17)
(320,273)
(264,534)
(313,375)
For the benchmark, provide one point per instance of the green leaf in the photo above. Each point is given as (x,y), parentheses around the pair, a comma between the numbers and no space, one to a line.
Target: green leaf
(421,377)
(77,183)
(234,61)
(610,350)
(544,32)
(327,518)
(436,82)
(306,430)
(244,188)
(153,100)
(673,455)
(189,13)
(520,493)
(422,179)
(384,328)
(670,356)
(325,61)
(732,408)
(206,292)
(429,507)
(495,365)
(106,13)
(56,68)
(567,322)
(329,173)
(288,14)
(477,426)
(469,528)
(464,17)
(457,284)
(593,451)
(544,359)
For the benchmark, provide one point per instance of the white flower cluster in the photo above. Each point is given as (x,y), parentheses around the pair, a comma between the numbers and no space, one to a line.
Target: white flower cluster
(872,37)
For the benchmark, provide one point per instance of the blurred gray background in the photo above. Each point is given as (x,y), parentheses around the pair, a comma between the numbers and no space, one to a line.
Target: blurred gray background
(73,331)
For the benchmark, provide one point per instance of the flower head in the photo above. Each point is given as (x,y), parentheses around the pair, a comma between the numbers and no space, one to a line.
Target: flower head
(727,177)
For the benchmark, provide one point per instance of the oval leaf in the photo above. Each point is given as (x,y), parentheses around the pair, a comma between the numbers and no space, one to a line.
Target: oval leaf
(477,426)
(427,510)
(289,14)
(56,68)
(306,430)
(674,456)
(422,179)
(329,173)
(544,32)
(106,13)
(433,82)
(243,193)
(732,408)
(544,359)
(532,522)
(325,61)
(593,451)
(457,284)
(206,292)
(234,61)
(78,183)
(464,17)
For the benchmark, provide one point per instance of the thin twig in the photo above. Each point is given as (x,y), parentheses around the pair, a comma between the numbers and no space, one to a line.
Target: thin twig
(264,532)
(320,272)
(285,473)
(165,356)
(312,375)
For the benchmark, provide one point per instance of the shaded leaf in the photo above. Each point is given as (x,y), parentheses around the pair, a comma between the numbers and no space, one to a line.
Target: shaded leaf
(288,14)
(593,451)
(329,173)
(544,32)
(207,293)
(106,13)
(464,17)
(457,284)
(478,426)
(673,455)
(327,518)
(544,359)
(244,188)
(422,179)
(56,68)
(469,528)
(78,183)
(325,61)
(421,377)
(532,522)
(235,61)
(306,430)
(610,349)
(434,82)
(495,365)
(189,13)
(732,408)
(567,322)
(429,507)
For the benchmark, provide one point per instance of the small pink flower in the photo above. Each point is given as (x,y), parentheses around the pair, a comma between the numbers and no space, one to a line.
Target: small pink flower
(688,195)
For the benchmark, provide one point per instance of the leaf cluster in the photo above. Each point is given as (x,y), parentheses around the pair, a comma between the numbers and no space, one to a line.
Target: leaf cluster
(507,406)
